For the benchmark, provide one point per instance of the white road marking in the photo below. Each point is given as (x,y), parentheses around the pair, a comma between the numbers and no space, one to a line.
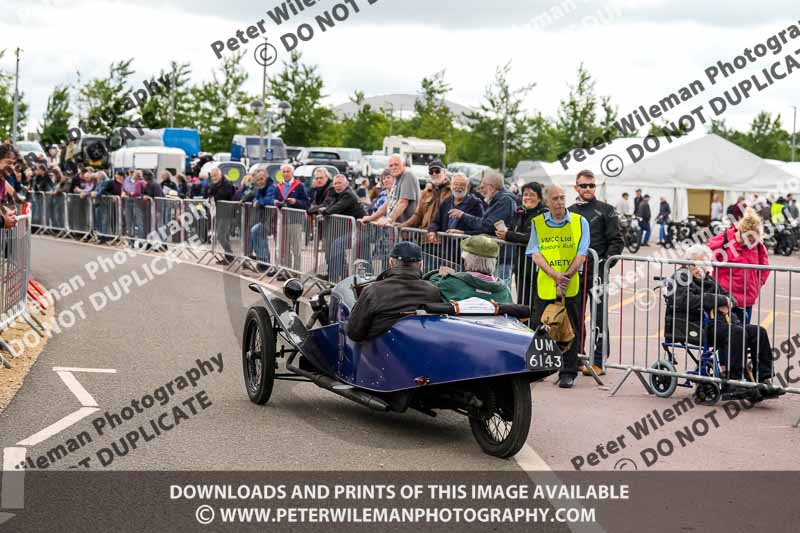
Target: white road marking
(58,427)
(530,461)
(77,389)
(76,369)
(12,495)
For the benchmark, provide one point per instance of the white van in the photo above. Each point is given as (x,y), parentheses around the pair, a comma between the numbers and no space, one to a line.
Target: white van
(154,158)
(417,153)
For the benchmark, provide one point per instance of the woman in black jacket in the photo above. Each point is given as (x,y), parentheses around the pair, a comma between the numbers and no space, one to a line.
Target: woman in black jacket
(691,296)
(520,233)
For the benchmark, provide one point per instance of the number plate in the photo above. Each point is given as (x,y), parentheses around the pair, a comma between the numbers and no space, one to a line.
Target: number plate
(543,353)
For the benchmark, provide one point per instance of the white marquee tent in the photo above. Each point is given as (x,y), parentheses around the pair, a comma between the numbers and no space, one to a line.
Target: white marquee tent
(708,162)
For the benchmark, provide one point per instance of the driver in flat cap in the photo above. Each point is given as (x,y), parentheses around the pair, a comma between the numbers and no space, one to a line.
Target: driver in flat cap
(396,292)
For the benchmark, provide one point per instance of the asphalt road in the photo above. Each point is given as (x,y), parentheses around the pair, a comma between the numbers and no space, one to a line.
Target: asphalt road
(152,337)
(156,333)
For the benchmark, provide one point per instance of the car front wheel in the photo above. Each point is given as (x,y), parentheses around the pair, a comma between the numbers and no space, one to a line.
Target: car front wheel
(258,355)
(503,429)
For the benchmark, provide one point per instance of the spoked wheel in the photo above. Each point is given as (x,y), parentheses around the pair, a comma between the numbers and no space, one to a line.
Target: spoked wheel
(503,431)
(707,393)
(258,355)
(634,241)
(663,386)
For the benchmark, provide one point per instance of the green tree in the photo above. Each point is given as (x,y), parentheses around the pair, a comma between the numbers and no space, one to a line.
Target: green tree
(541,142)
(217,108)
(501,106)
(432,119)
(667,130)
(155,112)
(301,86)
(579,124)
(55,122)
(766,138)
(108,100)
(7,106)
(366,129)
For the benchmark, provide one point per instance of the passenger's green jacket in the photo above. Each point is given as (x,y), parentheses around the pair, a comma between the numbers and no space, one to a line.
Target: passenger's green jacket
(460,286)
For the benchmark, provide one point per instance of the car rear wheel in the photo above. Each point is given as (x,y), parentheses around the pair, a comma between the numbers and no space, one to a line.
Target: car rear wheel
(258,355)
(503,432)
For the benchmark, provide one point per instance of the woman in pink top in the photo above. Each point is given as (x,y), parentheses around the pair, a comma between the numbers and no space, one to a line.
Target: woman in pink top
(743,244)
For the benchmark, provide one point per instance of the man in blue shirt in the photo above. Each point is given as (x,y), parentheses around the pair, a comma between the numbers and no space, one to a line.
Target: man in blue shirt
(559,245)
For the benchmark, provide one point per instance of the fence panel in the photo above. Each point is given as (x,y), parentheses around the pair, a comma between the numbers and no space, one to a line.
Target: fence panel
(56,211)
(79,214)
(38,209)
(673,319)
(108,217)
(297,253)
(337,234)
(137,217)
(373,244)
(227,235)
(260,230)
(168,210)
(14,270)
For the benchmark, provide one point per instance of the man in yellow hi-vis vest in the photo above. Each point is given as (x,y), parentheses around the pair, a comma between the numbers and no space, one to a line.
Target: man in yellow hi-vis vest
(558,245)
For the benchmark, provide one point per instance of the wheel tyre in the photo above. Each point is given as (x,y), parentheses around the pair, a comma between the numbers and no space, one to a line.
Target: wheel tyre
(663,386)
(521,404)
(707,393)
(258,362)
(636,241)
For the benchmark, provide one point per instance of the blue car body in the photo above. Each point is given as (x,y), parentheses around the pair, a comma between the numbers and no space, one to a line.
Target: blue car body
(418,350)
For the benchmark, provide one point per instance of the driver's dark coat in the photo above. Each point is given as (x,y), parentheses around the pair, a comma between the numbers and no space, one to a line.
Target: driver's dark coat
(396,292)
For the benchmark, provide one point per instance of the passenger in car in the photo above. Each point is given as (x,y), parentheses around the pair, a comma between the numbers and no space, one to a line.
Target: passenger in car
(477,281)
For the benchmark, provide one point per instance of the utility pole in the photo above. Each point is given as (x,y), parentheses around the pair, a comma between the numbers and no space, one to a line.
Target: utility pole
(261,119)
(172,98)
(16,101)
(794,129)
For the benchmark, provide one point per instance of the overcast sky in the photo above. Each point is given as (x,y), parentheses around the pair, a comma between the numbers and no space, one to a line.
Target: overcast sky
(638,51)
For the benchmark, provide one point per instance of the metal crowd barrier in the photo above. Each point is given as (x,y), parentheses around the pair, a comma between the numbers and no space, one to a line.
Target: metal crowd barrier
(373,244)
(79,215)
(337,234)
(138,215)
(260,231)
(15,272)
(660,332)
(295,253)
(107,217)
(197,234)
(227,237)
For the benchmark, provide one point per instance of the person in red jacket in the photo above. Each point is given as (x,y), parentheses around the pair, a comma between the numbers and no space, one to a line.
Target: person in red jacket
(742,243)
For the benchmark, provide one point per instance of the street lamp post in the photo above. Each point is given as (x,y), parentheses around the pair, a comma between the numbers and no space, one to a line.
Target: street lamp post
(284,108)
(16,102)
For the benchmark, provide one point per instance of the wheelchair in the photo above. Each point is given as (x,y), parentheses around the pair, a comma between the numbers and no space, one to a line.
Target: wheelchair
(696,346)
